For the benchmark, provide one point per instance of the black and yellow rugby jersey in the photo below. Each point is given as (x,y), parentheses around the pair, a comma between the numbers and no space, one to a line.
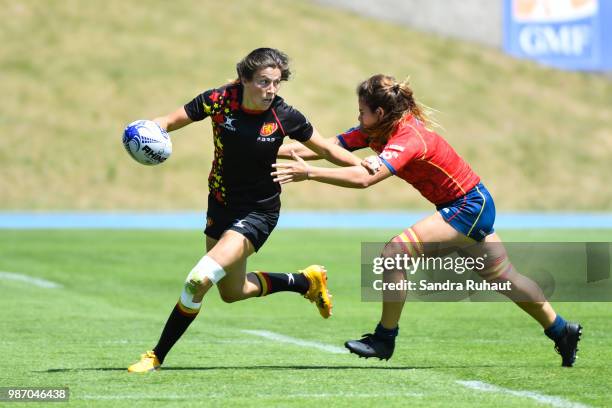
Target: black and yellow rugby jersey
(246,145)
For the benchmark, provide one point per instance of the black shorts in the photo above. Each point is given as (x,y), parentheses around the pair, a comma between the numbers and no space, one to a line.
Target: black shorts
(255,225)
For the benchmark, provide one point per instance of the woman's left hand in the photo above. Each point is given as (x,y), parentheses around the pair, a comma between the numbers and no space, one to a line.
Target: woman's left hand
(295,171)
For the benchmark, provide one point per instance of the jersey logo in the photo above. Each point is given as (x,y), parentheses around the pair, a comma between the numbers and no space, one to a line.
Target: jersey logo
(266,139)
(228,124)
(388,155)
(268,128)
(240,224)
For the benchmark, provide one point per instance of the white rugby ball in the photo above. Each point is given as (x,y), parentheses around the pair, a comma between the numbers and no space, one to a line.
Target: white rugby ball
(147,142)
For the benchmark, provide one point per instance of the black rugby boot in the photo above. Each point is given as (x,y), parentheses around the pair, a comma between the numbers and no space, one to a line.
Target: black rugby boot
(567,344)
(371,346)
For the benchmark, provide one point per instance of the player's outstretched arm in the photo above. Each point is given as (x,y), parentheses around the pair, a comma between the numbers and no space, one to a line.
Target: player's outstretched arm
(331,150)
(174,120)
(305,153)
(318,147)
(351,177)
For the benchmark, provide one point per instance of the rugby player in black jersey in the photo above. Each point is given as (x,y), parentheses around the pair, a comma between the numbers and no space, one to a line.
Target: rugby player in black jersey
(249,122)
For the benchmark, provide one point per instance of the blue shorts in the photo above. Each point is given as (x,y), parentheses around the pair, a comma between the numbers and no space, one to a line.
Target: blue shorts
(473,214)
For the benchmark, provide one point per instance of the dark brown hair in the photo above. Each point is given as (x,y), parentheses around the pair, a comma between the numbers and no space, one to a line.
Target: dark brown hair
(263,58)
(395,98)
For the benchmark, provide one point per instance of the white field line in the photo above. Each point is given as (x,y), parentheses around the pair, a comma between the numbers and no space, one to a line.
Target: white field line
(553,401)
(41,283)
(298,342)
(258,396)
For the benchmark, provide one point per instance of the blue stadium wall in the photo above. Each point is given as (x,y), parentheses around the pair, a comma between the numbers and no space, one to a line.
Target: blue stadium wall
(568,34)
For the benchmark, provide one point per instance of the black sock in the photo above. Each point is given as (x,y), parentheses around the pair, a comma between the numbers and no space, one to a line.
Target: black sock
(282,282)
(176,325)
(387,334)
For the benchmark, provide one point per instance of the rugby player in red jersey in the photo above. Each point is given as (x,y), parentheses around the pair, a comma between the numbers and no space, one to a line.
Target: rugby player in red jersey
(393,125)
(249,123)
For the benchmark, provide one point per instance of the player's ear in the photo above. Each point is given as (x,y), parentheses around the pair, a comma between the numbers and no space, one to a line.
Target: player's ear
(380,113)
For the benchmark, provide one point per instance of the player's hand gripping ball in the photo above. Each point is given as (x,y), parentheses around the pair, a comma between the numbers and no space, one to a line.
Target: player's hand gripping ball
(147,142)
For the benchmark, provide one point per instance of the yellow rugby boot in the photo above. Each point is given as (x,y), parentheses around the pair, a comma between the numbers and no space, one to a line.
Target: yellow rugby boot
(318,292)
(148,362)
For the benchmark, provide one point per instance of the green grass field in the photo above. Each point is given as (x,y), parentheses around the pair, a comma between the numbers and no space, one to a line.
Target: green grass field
(119,286)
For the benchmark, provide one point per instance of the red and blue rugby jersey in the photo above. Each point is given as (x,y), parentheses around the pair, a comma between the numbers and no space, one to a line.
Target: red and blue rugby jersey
(422,158)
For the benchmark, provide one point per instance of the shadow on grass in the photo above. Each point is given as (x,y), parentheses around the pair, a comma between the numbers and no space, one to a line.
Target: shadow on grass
(271,367)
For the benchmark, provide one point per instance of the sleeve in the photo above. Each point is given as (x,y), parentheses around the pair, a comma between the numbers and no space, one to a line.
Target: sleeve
(398,152)
(296,126)
(199,108)
(353,139)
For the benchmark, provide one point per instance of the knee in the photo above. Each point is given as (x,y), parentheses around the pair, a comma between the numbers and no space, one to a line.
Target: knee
(391,249)
(408,242)
(207,271)
(199,290)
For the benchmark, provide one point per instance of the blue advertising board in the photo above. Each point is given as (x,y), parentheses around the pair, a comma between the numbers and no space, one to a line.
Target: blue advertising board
(568,34)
